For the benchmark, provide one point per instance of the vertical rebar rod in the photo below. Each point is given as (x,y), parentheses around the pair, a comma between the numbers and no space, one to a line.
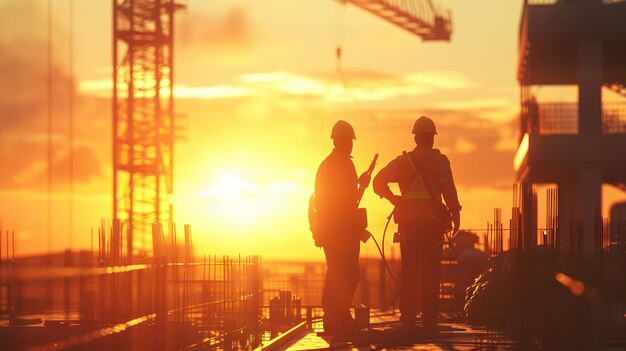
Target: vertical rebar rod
(49,133)
(213,289)
(1,295)
(224,296)
(71,125)
(13,276)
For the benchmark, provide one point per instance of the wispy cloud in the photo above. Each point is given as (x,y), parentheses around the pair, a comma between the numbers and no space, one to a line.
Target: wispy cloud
(475,104)
(444,80)
(212,92)
(354,85)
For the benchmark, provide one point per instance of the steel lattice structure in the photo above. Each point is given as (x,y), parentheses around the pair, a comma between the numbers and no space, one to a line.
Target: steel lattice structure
(143,117)
(424,18)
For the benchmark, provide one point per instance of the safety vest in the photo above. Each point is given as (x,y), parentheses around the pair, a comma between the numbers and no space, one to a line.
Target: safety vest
(417,203)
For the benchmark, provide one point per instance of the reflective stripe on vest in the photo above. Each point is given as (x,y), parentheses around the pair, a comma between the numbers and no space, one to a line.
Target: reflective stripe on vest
(416,189)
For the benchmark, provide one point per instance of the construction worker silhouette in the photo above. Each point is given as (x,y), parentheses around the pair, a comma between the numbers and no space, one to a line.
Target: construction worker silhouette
(336,202)
(423,176)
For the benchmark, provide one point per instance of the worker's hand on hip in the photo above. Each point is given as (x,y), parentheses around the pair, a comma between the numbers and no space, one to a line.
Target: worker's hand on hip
(395,200)
(364,179)
(456,221)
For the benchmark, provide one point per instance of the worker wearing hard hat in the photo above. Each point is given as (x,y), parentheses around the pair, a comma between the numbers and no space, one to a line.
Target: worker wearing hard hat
(336,201)
(423,176)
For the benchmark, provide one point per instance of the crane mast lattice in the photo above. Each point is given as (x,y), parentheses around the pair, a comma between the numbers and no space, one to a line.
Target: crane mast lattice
(143,117)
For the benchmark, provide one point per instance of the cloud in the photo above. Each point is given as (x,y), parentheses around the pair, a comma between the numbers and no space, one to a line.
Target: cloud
(359,85)
(23,88)
(24,107)
(24,68)
(475,104)
(96,87)
(24,168)
(448,80)
(22,20)
(104,87)
(221,91)
(220,35)
(464,146)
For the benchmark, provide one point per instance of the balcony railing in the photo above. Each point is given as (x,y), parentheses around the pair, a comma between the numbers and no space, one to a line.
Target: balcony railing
(562,118)
(558,118)
(554,2)
(614,118)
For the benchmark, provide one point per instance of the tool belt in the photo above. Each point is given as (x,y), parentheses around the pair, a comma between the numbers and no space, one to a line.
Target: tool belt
(408,211)
(328,227)
(443,216)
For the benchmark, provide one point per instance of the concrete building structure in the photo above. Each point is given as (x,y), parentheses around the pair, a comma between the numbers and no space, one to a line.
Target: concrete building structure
(578,146)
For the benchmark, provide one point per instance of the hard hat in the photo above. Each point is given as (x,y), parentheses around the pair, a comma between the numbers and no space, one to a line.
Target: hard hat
(342,129)
(424,125)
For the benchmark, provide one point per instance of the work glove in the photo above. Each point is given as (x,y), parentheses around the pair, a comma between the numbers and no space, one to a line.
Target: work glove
(456,221)
(364,179)
(365,235)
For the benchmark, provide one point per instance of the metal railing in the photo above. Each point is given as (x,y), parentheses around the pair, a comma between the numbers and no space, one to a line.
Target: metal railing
(555,2)
(561,118)
(542,2)
(614,118)
(557,118)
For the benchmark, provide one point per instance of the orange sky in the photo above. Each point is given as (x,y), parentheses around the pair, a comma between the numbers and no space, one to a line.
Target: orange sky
(259,86)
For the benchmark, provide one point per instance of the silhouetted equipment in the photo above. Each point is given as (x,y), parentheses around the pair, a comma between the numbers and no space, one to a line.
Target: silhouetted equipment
(362,316)
(424,18)
(361,214)
(369,171)
(143,116)
(575,145)
(285,308)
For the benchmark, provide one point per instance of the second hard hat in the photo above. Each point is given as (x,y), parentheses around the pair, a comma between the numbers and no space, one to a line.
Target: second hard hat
(424,125)
(342,129)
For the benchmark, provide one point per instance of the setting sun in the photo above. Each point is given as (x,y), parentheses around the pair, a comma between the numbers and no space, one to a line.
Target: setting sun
(238,201)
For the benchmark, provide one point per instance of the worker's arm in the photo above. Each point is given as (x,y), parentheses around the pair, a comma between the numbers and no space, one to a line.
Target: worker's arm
(389,174)
(448,190)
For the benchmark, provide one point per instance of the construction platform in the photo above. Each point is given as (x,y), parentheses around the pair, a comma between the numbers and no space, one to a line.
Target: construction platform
(386,332)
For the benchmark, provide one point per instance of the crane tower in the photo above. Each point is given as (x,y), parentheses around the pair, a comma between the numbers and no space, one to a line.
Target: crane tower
(143,118)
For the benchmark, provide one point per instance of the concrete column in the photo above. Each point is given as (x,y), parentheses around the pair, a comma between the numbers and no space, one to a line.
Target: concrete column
(590,202)
(568,212)
(590,57)
(580,200)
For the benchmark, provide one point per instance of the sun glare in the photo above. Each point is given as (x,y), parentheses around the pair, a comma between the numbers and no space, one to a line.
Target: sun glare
(234,200)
